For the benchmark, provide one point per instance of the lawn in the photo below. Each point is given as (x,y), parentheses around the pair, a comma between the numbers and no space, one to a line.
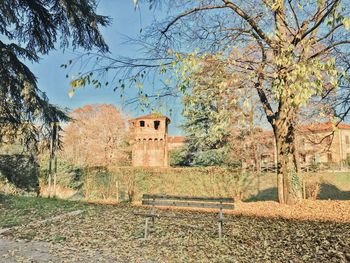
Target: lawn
(202,182)
(114,233)
(17,210)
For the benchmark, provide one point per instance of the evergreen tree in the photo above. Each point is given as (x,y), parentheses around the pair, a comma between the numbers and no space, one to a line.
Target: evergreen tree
(30,28)
(209,110)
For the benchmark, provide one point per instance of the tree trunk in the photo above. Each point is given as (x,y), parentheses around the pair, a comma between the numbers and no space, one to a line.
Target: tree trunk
(288,184)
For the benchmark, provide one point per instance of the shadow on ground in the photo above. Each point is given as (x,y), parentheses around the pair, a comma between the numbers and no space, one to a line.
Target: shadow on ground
(330,191)
(269,194)
(327,191)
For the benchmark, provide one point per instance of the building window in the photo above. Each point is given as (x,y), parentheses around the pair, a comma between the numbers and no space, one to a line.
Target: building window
(156,124)
(347,142)
(142,123)
(329,157)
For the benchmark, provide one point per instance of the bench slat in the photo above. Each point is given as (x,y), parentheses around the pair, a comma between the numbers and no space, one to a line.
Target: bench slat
(186,204)
(189,198)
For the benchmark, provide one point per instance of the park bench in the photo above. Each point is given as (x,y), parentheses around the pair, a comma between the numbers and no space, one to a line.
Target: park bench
(184,201)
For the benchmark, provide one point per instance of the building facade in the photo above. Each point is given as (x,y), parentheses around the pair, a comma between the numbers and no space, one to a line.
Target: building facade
(149,144)
(319,143)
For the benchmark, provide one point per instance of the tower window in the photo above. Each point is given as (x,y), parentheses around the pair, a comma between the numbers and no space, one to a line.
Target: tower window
(142,123)
(156,124)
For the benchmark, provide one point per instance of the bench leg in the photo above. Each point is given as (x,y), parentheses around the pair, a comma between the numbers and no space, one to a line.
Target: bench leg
(146,228)
(221,218)
(220,229)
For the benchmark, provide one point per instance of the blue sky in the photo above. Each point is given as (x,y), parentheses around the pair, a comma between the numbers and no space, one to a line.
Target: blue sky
(126,22)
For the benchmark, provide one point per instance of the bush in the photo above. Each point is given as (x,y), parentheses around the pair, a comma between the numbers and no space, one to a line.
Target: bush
(178,157)
(19,170)
(68,175)
(311,185)
(312,190)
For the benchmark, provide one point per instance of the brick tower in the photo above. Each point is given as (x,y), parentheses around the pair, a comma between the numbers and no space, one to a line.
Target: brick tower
(150,142)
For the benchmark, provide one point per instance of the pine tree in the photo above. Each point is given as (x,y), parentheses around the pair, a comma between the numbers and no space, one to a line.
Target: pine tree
(209,109)
(30,28)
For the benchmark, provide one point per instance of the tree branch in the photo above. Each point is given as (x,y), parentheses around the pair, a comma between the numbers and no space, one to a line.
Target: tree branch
(194,10)
(296,40)
(329,47)
(250,21)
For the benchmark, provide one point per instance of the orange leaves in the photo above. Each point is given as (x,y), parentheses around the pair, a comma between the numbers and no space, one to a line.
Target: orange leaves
(96,136)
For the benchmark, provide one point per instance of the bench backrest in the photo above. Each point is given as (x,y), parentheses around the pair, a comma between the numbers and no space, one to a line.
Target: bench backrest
(188,201)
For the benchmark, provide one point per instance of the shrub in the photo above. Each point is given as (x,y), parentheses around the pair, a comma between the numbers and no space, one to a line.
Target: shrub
(311,185)
(178,157)
(20,170)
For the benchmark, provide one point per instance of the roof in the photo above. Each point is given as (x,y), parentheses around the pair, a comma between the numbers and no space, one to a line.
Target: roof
(176,139)
(151,116)
(323,127)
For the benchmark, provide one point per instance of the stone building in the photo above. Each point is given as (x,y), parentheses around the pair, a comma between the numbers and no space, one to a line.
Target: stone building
(320,143)
(149,145)
(324,143)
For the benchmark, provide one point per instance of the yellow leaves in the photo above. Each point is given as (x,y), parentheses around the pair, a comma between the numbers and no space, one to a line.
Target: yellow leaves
(71,93)
(246,104)
(346,23)
(139,85)
(277,4)
(167,81)
(77,83)
(298,81)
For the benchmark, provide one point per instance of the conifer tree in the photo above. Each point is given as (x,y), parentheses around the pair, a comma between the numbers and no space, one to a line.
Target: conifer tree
(30,28)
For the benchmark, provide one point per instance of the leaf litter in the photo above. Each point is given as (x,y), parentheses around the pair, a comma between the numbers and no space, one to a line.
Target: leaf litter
(115,234)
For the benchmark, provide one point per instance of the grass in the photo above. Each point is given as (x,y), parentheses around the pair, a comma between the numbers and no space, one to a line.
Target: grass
(16,210)
(203,182)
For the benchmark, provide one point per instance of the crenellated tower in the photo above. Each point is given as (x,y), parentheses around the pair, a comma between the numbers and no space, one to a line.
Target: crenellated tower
(150,141)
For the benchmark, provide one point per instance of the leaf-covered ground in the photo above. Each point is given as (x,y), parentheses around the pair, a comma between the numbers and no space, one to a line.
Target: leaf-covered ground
(114,234)
(17,210)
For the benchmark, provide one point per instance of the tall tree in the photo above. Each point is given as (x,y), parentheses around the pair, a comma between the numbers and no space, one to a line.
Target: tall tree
(209,109)
(297,51)
(30,28)
(99,129)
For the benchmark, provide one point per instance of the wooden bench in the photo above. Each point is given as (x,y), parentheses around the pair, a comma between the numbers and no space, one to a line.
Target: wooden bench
(184,201)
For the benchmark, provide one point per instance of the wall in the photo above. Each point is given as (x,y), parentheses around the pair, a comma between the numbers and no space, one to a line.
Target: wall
(150,142)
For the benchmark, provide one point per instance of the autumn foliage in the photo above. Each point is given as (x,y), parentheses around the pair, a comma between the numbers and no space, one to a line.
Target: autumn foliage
(96,137)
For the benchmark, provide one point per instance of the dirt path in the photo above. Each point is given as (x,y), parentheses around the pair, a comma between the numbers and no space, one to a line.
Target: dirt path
(21,251)
(38,251)
(12,251)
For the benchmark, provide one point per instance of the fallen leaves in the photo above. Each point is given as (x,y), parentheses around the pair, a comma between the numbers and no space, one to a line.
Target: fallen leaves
(114,233)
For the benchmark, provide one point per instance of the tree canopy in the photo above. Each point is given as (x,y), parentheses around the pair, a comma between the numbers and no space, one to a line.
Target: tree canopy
(99,129)
(29,29)
(210,108)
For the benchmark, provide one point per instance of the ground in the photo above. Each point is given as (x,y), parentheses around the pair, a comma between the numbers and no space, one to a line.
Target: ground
(114,234)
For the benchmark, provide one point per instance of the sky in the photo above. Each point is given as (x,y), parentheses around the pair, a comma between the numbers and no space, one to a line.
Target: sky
(126,21)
